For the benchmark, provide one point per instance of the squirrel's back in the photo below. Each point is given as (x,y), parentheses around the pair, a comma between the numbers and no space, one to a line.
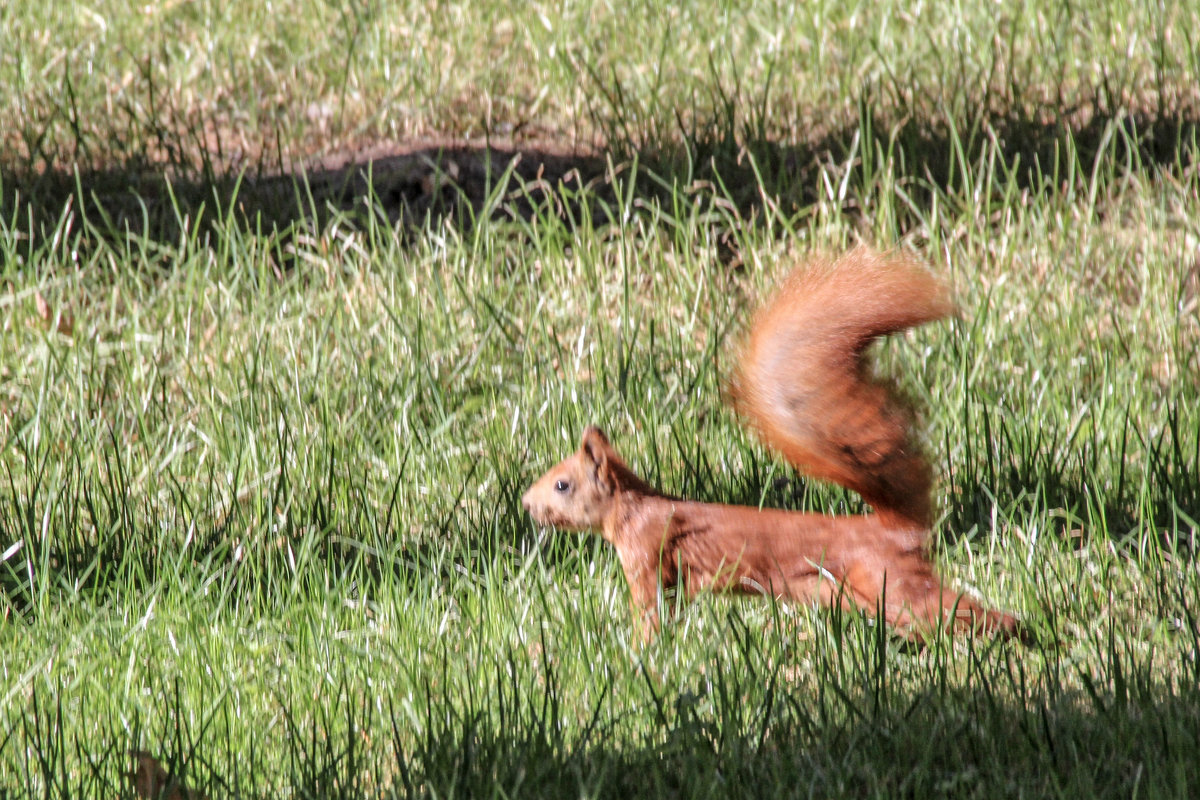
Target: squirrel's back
(803,383)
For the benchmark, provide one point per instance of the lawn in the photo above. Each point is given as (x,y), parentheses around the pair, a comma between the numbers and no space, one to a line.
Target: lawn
(267,412)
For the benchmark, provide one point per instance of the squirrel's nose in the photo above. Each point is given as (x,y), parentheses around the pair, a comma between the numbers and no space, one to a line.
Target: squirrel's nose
(525,501)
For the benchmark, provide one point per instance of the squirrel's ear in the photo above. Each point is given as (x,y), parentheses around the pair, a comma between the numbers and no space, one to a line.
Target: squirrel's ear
(595,448)
(594,445)
(593,436)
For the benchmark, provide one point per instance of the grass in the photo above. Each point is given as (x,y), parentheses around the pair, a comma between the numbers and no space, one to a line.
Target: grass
(259,509)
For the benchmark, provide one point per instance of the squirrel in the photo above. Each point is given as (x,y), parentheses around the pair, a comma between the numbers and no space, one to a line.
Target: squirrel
(804,385)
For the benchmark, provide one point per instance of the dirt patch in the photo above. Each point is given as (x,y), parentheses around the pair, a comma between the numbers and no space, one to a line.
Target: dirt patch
(434,180)
(411,183)
(407,184)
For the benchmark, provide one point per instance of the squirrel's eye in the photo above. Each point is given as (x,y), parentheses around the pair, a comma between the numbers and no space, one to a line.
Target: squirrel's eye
(561,486)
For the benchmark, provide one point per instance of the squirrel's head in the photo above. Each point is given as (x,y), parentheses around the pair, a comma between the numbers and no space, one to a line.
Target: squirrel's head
(577,493)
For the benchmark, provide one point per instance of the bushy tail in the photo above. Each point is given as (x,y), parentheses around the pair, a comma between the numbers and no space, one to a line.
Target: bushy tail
(804,384)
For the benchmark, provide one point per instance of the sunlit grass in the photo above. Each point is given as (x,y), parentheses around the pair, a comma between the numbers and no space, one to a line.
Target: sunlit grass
(241,84)
(259,498)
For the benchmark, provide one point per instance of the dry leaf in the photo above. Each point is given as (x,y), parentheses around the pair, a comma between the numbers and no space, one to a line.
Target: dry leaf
(66,321)
(151,780)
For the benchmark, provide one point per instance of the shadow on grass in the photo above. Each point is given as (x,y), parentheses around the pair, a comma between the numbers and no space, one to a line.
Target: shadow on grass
(428,183)
(966,744)
(745,727)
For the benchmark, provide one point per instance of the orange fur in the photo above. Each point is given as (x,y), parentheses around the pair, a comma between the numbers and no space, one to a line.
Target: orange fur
(804,385)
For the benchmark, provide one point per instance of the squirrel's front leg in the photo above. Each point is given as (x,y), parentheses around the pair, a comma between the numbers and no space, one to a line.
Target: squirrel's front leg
(645,620)
(643,575)
(643,602)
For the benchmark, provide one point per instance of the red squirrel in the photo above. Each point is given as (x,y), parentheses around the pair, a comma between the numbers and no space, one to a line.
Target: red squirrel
(804,386)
